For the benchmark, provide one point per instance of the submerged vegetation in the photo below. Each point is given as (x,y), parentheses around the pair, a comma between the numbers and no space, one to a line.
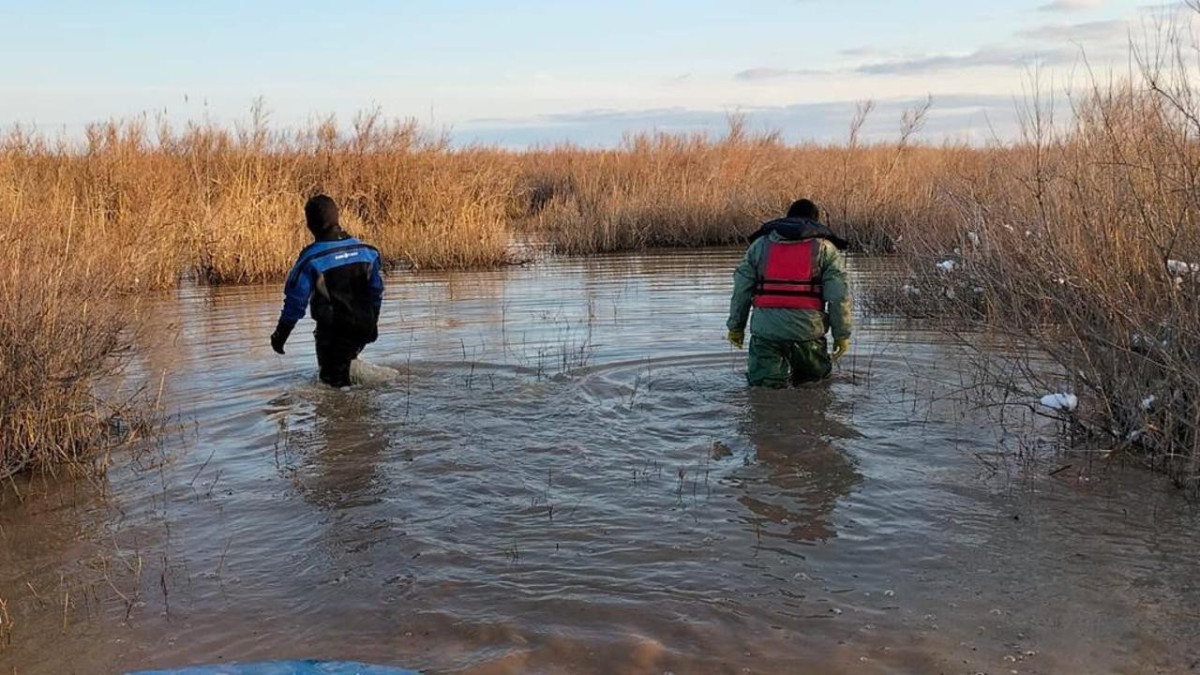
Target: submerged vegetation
(1082,237)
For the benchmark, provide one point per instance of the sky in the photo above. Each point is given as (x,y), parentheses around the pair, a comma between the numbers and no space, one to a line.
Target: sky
(524,73)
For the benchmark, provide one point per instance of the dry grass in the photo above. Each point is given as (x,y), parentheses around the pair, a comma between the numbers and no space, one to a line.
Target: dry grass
(226,205)
(670,190)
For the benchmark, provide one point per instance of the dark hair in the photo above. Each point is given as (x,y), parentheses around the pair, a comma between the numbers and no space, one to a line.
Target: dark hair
(321,214)
(804,208)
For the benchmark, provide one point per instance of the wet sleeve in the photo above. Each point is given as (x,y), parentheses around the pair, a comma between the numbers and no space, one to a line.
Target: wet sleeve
(377,284)
(296,294)
(744,278)
(836,291)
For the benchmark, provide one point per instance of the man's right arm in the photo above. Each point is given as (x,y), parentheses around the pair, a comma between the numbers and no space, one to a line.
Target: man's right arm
(744,278)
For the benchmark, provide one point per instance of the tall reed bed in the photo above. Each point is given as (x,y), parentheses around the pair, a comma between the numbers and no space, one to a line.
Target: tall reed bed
(660,190)
(226,204)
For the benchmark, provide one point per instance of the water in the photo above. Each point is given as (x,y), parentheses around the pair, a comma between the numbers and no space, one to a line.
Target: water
(569,476)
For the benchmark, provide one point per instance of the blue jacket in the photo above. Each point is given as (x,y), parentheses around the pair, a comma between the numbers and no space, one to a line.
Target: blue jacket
(340,277)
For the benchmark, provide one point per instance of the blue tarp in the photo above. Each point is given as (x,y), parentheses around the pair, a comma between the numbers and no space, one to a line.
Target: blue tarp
(284,668)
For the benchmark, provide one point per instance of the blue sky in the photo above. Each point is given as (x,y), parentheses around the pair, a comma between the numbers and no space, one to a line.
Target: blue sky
(527,72)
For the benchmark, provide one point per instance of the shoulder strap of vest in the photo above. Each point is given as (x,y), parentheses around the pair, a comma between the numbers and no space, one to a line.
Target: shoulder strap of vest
(815,269)
(763,259)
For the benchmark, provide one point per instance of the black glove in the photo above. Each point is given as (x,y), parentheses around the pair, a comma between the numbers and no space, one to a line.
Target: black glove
(280,336)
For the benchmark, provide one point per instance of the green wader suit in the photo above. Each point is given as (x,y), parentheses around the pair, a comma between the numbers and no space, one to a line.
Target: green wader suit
(787,346)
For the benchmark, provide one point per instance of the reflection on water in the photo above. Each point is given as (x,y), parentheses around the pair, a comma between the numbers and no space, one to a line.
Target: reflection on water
(345,469)
(802,472)
(568,476)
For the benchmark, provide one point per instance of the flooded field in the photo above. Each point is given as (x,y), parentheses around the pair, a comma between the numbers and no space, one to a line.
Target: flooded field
(568,475)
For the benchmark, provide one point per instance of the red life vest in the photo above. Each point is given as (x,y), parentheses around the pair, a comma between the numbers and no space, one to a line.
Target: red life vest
(789,276)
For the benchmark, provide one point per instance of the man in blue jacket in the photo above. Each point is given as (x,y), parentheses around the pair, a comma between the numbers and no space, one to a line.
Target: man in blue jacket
(339,276)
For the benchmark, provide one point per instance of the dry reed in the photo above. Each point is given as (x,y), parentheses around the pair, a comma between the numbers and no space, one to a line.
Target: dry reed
(659,190)
(60,330)
(226,205)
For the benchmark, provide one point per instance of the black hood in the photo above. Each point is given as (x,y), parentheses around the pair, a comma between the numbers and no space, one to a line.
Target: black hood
(334,233)
(796,229)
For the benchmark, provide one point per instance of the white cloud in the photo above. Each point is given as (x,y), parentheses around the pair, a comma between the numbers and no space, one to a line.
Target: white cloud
(958,116)
(1169,9)
(860,52)
(755,74)
(982,57)
(1071,5)
(1091,31)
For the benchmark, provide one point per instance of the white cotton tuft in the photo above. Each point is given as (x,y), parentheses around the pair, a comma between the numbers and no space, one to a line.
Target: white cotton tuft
(1180,267)
(947,265)
(1067,402)
(1148,402)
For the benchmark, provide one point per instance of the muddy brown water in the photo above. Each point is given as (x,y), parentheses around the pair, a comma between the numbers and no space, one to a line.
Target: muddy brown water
(569,476)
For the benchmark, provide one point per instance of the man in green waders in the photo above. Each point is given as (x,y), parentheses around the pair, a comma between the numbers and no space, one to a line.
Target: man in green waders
(794,276)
